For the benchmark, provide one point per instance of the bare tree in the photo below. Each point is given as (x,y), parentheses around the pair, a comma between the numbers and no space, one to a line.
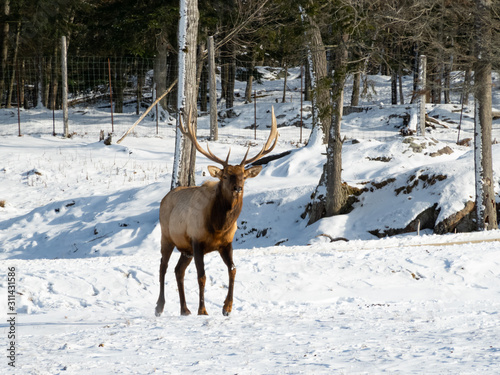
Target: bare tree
(185,153)
(160,67)
(12,77)
(485,194)
(321,94)
(4,48)
(331,195)
(336,194)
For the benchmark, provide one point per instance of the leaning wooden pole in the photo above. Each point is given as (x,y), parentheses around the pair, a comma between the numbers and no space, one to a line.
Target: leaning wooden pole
(147,111)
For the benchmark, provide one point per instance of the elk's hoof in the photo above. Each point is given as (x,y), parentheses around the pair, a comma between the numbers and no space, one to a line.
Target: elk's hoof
(158,311)
(226,313)
(185,312)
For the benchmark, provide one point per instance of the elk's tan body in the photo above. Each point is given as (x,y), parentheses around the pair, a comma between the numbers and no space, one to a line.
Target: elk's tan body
(183,215)
(201,219)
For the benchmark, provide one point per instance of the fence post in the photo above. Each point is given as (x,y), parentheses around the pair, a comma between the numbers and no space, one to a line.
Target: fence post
(301,99)
(255,114)
(155,94)
(64,71)
(422,69)
(111,96)
(18,100)
(214,131)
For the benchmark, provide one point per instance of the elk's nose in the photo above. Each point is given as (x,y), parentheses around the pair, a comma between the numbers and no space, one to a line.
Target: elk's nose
(238,189)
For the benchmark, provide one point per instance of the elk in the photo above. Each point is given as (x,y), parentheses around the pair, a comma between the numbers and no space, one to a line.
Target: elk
(200,219)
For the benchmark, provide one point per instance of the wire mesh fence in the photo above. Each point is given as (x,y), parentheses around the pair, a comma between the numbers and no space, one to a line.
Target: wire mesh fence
(115,91)
(109,94)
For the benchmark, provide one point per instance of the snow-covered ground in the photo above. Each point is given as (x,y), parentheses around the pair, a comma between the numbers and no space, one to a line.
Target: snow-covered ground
(79,223)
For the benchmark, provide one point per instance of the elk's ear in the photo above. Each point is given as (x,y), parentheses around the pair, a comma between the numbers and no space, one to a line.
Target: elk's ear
(253,172)
(214,171)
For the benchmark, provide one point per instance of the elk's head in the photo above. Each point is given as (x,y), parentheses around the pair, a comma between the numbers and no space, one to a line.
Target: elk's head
(232,177)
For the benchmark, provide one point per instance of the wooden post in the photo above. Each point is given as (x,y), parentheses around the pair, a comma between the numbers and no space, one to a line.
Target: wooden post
(156,107)
(255,114)
(301,99)
(64,71)
(214,131)
(111,97)
(422,68)
(18,100)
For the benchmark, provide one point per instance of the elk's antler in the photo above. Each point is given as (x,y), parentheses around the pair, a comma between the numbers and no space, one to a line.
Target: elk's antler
(267,148)
(191,134)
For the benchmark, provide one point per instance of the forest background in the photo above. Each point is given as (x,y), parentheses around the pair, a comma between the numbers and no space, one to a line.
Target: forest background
(380,37)
(332,39)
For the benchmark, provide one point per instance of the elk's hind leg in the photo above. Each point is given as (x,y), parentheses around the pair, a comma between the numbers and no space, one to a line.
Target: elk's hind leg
(166,251)
(198,252)
(180,271)
(227,256)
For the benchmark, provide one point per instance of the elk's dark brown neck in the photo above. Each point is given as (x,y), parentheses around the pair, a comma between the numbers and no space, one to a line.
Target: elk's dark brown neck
(224,212)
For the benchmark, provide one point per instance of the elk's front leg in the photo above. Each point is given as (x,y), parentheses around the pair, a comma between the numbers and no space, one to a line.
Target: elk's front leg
(227,256)
(198,252)
(166,251)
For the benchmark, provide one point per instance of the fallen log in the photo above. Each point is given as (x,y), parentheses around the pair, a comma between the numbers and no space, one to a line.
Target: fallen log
(429,121)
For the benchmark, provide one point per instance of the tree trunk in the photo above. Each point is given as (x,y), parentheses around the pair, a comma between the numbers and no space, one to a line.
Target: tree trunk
(64,77)
(231,75)
(336,196)
(283,100)
(394,87)
(118,85)
(204,89)
(228,65)
(321,85)
(22,97)
(46,81)
(185,153)
(5,50)
(447,80)
(214,131)
(172,74)
(224,72)
(200,63)
(400,83)
(248,89)
(307,81)
(12,78)
(485,195)
(467,86)
(160,68)
(415,69)
(54,78)
(39,84)
(330,196)
(436,88)
(421,94)
(140,85)
(356,81)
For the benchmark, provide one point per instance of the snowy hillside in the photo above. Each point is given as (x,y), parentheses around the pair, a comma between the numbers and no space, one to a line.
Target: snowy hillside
(79,223)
